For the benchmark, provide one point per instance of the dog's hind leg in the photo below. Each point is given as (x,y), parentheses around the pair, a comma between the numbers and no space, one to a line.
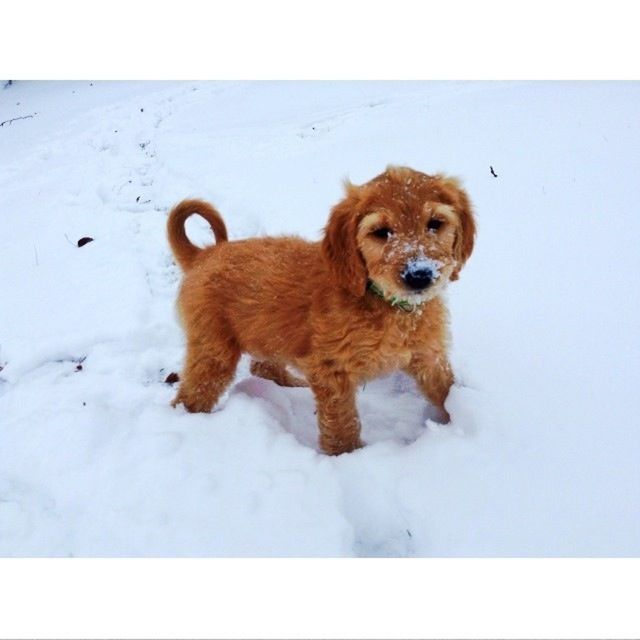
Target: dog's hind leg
(207,373)
(276,372)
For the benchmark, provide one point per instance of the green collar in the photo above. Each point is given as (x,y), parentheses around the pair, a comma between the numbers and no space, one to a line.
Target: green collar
(394,301)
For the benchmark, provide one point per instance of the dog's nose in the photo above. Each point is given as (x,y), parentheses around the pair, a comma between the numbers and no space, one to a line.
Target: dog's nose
(417,276)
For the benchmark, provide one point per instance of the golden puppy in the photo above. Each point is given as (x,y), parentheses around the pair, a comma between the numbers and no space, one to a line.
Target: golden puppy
(363,302)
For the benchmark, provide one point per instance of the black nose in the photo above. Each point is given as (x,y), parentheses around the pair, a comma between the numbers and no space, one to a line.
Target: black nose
(417,278)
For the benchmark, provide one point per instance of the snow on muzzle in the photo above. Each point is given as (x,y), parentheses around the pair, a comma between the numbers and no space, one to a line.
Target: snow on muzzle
(420,273)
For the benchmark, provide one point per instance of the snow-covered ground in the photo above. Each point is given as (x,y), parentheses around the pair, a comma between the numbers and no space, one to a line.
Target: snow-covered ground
(541,457)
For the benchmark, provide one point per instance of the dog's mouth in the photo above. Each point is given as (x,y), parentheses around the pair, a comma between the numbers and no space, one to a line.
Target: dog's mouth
(420,280)
(402,299)
(417,297)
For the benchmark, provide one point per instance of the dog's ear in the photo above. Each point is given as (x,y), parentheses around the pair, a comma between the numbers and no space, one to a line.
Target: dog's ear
(466,232)
(340,246)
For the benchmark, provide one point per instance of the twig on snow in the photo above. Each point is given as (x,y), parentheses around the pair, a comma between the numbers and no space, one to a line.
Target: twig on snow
(18,118)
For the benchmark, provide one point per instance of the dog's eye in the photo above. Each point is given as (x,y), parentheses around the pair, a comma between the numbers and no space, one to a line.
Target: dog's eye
(383,233)
(434,224)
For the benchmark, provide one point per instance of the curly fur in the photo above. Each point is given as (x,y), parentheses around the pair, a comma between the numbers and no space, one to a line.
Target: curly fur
(289,302)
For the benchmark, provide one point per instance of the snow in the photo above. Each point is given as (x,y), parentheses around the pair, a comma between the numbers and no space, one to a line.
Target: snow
(541,456)
(424,263)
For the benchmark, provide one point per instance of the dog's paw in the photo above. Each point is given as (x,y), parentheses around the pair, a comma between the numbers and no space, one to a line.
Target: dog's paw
(192,405)
(333,447)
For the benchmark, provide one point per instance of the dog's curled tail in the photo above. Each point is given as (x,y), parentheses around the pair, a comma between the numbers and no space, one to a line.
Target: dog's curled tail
(183,249)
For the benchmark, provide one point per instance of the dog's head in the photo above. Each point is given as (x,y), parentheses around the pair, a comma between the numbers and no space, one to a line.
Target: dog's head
(405,231)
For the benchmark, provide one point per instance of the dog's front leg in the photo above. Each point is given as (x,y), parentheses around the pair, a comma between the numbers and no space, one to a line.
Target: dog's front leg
(432,372)
(338,419)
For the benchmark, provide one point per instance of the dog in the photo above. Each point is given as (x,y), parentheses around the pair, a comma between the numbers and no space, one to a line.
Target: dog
(363,302)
